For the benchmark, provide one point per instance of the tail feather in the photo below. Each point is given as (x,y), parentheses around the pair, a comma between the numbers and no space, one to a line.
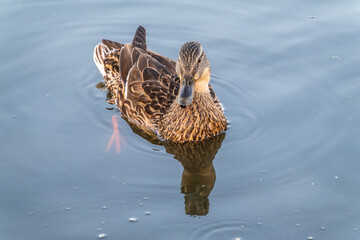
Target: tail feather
(102,50)
(100,53)
(112,45)
(140,38)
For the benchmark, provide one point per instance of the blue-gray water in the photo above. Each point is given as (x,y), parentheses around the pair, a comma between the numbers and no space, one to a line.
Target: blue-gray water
(287,73)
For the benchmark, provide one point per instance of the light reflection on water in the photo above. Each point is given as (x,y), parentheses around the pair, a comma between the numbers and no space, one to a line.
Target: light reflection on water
(286,73)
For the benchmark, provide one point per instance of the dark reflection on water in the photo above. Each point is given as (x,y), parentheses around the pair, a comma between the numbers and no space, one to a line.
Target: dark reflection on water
(198,177)
(197,187)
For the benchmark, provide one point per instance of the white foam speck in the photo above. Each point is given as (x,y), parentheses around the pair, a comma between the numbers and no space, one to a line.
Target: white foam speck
(101,235)
(133,219)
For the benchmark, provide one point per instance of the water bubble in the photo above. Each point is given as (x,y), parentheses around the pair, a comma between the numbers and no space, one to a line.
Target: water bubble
(140,203)
(99,229)
(146,198)
(312,183)
(133,219)
(237,238)
(310,238)
(104,207)
(297,224)
(68,208)
(31,213)
(336,177)
(322,228)
(147,213)
(101,235)
(103,222)
(259,223)
(355,229)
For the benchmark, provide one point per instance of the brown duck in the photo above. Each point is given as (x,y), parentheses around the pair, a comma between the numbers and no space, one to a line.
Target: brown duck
(172,100)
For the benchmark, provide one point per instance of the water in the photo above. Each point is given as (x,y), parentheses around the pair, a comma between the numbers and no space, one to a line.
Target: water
(286,72)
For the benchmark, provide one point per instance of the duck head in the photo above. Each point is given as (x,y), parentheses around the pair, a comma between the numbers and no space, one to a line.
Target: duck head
(193,69)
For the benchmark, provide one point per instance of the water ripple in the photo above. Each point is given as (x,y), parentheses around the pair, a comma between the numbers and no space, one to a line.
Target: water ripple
(245,229)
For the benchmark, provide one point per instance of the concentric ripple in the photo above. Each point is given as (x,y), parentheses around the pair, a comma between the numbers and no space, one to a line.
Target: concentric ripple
(226,229)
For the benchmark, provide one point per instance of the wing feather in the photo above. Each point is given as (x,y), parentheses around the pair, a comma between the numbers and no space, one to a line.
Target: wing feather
(125,61)
(111,45)
(144,83)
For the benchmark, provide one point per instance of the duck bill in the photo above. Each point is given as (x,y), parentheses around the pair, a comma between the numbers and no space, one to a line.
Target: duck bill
(186,91)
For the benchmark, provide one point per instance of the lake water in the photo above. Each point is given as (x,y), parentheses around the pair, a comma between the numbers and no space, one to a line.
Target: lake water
(287,73)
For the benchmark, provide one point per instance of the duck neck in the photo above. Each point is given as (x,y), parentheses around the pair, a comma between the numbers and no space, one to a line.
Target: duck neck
(202,84)
(200,120)
(202,87)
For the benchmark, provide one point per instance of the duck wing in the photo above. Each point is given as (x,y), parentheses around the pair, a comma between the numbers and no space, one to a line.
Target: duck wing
(143,82)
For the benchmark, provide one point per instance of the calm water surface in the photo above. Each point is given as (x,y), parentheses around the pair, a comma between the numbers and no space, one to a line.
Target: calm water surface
(287,73)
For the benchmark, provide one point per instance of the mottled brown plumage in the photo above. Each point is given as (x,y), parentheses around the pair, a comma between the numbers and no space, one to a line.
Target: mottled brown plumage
(172,100)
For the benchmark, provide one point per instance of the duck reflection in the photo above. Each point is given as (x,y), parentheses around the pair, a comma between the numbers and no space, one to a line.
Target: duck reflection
(198,178)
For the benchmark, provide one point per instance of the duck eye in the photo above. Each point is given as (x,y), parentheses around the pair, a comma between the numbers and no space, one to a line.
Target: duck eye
(199,61)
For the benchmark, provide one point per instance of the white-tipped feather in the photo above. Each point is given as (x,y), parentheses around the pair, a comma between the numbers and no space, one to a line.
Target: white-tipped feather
(98,59)
(100,53)
(126,88)
(127,83)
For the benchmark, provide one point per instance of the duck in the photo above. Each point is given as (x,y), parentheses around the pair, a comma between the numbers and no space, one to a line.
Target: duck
(173,101)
